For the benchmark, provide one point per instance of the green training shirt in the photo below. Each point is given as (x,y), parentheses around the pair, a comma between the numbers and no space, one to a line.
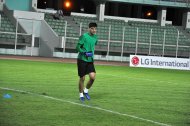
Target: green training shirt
(86,43)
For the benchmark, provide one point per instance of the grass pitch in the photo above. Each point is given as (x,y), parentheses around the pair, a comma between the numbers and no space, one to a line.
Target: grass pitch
(121,96)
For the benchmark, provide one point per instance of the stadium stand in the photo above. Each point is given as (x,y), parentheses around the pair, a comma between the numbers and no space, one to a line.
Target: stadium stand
(6,26)
(145,30)
(8,34)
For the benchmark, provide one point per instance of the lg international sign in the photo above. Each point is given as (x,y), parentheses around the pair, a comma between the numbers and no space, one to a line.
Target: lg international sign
(159,62)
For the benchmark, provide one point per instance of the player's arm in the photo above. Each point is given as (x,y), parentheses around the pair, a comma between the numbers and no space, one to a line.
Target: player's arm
(96,41)
(80,45)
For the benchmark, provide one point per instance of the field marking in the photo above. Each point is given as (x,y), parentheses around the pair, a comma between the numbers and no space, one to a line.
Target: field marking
(87,106)
(140,78)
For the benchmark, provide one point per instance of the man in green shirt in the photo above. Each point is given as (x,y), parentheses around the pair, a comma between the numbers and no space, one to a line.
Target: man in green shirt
(85,61)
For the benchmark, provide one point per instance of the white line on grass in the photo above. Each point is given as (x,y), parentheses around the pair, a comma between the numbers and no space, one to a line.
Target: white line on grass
(88,106)
(145,79)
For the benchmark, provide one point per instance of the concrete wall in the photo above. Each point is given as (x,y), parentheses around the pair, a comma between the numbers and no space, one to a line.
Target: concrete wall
(30,21)
(186,20)
(1,4)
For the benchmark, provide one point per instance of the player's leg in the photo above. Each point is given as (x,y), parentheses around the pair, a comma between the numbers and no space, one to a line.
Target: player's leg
(81,88)
(81,84)
(81,73)
(92,76)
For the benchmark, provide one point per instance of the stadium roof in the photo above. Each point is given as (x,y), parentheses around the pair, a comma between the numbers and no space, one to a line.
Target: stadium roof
(166,3)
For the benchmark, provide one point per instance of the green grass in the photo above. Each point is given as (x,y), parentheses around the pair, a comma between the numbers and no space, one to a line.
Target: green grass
(154,94)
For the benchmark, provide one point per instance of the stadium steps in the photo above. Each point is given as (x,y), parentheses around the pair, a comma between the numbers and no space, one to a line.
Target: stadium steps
(59,26)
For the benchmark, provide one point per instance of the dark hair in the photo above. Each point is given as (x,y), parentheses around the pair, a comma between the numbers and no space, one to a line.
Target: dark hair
(92,24)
